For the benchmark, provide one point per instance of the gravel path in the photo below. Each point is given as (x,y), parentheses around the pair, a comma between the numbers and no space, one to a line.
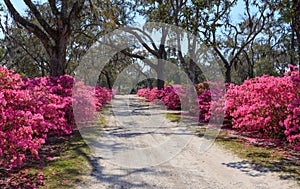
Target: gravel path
(140,148)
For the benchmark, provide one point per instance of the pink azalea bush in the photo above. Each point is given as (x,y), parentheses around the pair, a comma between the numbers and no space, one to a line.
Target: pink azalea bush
(211,100)
(204,100)
(59,86)
(27,117)
(102,96)
(34,109)
(292,122)
(143,92)
(87,100)
(266,106)
(84,103)
(154,93)
(168,95)
(176,96)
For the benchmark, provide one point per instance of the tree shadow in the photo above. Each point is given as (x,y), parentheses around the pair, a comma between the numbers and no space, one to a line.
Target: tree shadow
(248,168)
(110,179)
(286,168)
(263,160)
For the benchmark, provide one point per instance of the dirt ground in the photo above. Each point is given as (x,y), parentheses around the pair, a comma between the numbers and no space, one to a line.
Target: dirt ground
(140,148)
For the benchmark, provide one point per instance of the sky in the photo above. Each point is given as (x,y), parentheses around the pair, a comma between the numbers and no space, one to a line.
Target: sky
(18,4)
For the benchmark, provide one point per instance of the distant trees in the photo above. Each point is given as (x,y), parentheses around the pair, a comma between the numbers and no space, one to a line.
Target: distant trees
(274,48)
(290,13)
(212,23)
(64,29)
(24,51)
(112,69)
(51,37)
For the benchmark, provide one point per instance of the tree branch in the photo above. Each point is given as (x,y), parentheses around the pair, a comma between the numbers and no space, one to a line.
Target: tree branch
(129,30)
(148,36)
(40,19)
(125,52)
(29,26)
(249,40)
(53,7)
(76,8)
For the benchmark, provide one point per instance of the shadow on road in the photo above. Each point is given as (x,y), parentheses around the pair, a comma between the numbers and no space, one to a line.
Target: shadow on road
(113,180)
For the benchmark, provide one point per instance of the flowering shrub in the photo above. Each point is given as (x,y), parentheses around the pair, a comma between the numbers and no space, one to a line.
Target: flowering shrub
(262,106)
(211,99)
(59,86)
(154,93)
(34,109)
(143,92)
(170,98)
(176,96)
(102,96)
(149,94)
(63,85)
(27,118)
(9,80)
(168,95)
(292,122)
(87,100)
(204,100)
(83,102)
(266,107)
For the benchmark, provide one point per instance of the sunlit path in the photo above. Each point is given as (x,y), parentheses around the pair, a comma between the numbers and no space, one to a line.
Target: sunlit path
(216,168)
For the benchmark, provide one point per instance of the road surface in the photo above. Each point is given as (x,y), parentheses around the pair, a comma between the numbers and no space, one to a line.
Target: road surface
(140,148)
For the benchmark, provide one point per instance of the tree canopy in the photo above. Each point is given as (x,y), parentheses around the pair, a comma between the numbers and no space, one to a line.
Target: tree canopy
(51,37)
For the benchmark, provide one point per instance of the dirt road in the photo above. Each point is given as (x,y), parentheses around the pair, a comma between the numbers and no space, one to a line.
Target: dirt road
(140,148)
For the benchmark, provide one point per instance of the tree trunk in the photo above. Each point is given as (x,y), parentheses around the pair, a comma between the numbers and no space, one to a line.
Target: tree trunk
(298,39)
(149,82)
(108,81)
(160,75)
(198,74)
(251,71)
(58,58)
(298,43)
(292,54)
(160,84)
(228,74)
(56,66)
(296,9)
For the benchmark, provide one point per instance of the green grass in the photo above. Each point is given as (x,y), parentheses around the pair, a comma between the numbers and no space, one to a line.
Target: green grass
(63,161)
(68,166)
(70,160)
(173,117)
